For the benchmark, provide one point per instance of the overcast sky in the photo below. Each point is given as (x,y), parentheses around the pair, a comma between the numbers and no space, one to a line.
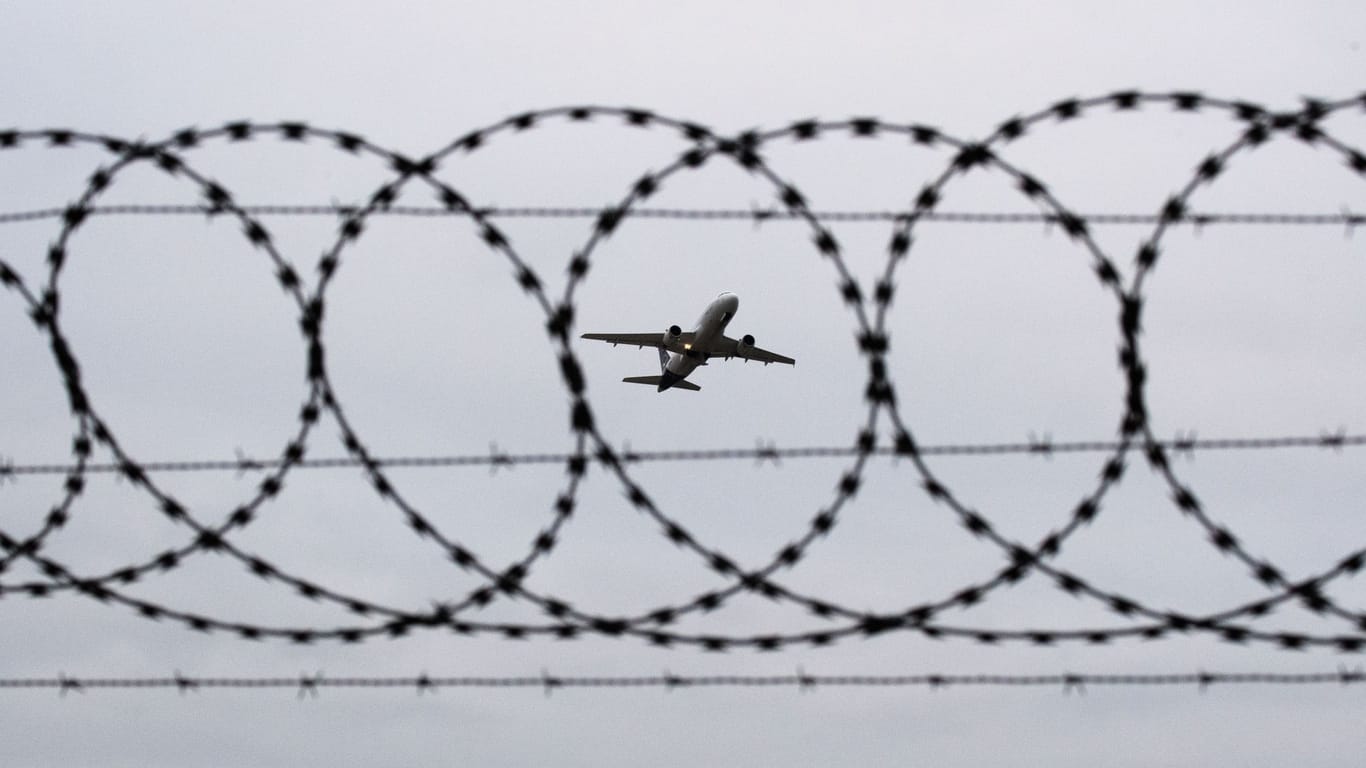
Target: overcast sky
(189,350)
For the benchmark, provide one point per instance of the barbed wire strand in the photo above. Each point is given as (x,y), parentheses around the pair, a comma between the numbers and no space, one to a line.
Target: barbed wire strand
(761,453)
(755,215)
(1068,682)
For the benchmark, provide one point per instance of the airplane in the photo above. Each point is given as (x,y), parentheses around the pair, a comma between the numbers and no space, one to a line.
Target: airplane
(680,352)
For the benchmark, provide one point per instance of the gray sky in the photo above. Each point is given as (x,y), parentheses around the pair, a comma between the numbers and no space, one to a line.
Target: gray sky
(190,350)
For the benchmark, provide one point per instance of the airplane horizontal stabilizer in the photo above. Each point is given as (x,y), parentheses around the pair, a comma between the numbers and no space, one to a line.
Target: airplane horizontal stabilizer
(654,381)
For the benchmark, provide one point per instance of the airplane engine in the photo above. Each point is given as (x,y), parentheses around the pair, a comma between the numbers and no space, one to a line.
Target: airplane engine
(744,344)
(672,335)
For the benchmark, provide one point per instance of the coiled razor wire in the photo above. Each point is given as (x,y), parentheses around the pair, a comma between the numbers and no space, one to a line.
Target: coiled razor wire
(1255,126)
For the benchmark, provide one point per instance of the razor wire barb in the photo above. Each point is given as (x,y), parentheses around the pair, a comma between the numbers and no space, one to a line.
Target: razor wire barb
(868,306)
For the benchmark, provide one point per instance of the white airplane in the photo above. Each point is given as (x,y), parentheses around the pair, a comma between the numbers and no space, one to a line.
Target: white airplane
(681,352)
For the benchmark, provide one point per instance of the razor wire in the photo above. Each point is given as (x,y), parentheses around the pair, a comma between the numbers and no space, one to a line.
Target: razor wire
(869,309)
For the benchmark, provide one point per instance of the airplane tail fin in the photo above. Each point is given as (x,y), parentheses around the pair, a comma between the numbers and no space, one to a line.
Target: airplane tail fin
(654,381)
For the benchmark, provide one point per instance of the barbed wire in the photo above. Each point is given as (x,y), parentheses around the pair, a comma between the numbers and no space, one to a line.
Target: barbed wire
(763,452)
(1255,126)
(756,215)
(309,685)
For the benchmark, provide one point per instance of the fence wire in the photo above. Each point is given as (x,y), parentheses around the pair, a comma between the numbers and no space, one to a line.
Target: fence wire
(311,685)
(764,451)
(1253,126)
(1346,218)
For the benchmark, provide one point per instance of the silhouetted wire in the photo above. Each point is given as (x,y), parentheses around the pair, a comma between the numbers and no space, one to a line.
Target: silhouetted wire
(1256,126)
(1068,682)
(755,215)
(771,453)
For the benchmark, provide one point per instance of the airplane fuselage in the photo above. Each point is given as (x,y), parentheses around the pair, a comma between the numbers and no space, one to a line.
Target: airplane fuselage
(681,352)
(710,327)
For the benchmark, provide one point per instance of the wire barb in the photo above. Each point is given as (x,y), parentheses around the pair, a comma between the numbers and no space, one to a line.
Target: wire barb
(308,686)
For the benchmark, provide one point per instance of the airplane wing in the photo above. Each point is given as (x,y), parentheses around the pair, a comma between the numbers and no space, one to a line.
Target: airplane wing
(728,347)
(641,339)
